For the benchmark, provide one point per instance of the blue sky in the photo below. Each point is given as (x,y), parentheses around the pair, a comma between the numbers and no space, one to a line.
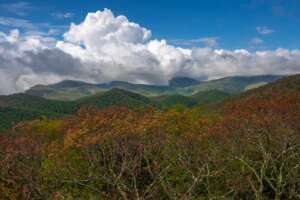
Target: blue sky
(233,24)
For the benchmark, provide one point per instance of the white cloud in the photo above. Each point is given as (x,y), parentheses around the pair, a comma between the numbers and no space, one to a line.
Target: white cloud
(207,41)
(104,27)
(263,30)
(16,23)
(210,41)
(29,28)
(26,60)
(257,41)
(61,15)
(105,47)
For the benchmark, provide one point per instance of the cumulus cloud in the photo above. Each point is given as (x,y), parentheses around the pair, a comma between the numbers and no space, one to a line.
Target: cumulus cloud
(105,27)
(105,47)
(29,60)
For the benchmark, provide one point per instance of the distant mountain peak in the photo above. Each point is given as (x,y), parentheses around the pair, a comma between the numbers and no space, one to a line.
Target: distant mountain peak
(72,89)
(183,82)
(70,83)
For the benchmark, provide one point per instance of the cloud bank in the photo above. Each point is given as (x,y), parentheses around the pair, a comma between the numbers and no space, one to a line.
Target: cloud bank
(105,47)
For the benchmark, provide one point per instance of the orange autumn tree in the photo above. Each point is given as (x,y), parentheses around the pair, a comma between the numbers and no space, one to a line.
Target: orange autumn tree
(250,150)
(129,151)
(20,159)
(91,126)
(261,135)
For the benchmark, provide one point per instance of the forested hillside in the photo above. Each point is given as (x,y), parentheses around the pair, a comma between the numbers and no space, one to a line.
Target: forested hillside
(21,107)
(249,148)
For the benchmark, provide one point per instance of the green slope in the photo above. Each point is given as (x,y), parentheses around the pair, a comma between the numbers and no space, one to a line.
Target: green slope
(167,101)
(72,90)
(200,98)
(65,92)
(146,90)
(286,86)
(116,97)
(29,102)
(20,107)
(11,116)
(231,85)
(289,84)
(209,97)
(181,82)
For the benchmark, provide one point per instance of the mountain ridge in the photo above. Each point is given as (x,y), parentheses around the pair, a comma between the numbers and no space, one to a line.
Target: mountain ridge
(19,107)
(68,90)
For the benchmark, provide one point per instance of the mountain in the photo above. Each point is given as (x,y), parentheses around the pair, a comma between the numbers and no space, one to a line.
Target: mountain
(260,126)
(72,90)
(167,101)
(66,90)
(182,82)
(232,85)
(116,97)
(29,102)
(286,85)
(210,96)
(70,84)
(285,88)
(201,98)
(146,90)
(20,107)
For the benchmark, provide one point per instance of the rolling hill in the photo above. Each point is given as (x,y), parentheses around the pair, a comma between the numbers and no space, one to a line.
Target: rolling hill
(38,101)
(20,107)
(283,88)
(290,84)
(66,90)
(210,96)
(232,85)
(181,82)
(201,98)
(116,97)
(167,101)
(72,90)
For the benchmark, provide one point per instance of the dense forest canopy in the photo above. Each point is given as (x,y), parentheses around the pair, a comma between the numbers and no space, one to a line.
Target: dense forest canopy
(245,147)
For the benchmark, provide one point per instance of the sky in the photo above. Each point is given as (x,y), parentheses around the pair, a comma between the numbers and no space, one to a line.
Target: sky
(142,41)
